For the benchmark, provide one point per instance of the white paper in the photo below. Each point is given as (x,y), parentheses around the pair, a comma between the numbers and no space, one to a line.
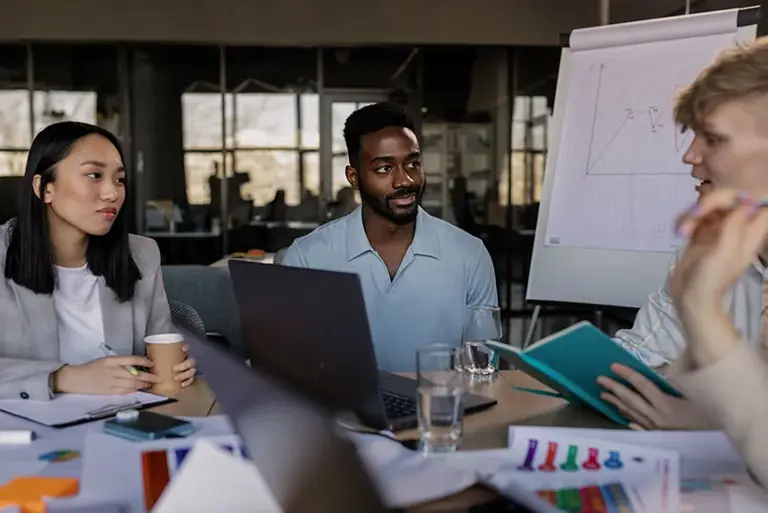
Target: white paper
(12,470)
(747,498)
(405,477)
(542,461)
(67,408)
(713,474)
(112,469)
(658,29)
(206,473)
(619,180)
(703,454)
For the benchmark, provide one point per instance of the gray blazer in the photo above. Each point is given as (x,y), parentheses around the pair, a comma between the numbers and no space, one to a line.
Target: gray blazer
(29,341)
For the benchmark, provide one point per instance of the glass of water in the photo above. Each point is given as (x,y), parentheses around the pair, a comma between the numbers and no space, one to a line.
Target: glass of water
(476,358)
(439,399)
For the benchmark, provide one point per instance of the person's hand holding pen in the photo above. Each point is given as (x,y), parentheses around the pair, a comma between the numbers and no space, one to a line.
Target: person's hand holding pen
(108,375)
(109,352)
(727,231)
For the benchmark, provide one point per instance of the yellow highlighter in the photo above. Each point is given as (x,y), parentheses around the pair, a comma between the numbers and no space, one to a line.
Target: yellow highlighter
(109,352)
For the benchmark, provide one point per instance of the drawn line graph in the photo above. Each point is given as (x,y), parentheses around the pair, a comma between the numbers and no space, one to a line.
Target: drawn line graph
(636,125)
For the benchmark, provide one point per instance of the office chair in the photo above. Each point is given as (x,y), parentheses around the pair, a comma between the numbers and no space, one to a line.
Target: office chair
(280,256)
(187,317)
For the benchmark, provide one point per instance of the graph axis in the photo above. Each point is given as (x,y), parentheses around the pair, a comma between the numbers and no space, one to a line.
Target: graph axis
(654,114)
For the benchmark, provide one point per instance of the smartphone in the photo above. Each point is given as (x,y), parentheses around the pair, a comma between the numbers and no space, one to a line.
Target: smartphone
(148,426)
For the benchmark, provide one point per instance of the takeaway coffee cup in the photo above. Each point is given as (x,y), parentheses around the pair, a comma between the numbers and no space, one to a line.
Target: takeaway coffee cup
(165,351)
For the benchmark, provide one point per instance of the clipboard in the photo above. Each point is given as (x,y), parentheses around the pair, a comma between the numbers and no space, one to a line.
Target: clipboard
(68,410)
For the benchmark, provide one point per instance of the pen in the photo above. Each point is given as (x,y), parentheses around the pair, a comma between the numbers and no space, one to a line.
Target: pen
(108,351)
(16,436)
(537,391)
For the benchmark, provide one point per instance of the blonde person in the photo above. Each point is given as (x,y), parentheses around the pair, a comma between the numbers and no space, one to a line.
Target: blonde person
(727,109)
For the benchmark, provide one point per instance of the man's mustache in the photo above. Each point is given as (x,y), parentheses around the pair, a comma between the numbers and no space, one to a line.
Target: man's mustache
(403,192)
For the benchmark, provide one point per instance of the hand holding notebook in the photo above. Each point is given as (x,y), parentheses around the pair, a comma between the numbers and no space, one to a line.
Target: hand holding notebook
(570,362)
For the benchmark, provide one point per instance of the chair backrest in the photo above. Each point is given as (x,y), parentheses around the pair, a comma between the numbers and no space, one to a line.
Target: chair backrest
(209,291)
(187,317)
(280,256)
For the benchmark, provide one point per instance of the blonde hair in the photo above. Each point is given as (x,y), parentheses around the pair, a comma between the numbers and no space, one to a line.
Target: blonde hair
(739,73)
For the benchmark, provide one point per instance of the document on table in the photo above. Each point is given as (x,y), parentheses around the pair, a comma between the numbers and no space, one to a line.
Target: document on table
(71,409)
(703,454)
(559,466)
(713,475)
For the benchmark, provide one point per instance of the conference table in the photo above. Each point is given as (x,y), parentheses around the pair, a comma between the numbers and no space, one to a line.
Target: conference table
(482,430)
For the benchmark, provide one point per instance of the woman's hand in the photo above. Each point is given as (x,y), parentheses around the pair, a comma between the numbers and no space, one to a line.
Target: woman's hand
(186,370)
(108,375)
(647,406)
(727,230)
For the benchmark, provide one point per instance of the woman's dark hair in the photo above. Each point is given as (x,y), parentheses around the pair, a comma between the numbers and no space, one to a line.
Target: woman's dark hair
(29,260)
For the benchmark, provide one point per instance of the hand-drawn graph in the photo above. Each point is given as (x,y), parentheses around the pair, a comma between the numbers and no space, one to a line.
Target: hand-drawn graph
(628,137)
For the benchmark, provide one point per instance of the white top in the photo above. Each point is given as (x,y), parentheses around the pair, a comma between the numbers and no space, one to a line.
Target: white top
(78,315)
(657,336)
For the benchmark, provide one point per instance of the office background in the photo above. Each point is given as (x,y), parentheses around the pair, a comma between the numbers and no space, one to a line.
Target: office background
(231,112)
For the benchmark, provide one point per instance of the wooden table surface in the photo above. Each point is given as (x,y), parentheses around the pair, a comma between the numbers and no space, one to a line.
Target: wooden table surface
(483,430)
(195,401)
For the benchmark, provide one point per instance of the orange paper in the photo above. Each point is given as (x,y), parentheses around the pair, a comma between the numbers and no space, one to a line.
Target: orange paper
(28,492)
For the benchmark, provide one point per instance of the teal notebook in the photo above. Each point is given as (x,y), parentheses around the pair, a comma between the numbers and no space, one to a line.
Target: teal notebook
(570,362)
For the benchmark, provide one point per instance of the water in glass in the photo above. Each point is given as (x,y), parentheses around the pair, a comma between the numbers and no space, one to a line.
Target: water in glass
(440,418)
(439,399)
(476,358)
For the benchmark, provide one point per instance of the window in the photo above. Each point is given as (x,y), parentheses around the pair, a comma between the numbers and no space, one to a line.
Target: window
(50,107)
(55,106)
(266,142)
(266,120)
(269,171)
(201,114)
(200,166)
(530,133)
(312,172)
(310,123)
(14,119)
(12,163)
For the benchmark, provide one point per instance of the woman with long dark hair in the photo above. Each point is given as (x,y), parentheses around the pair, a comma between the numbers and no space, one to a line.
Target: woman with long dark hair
(75,280)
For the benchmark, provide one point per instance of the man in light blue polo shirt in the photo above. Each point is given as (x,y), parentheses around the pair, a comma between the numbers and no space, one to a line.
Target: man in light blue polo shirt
(419,274)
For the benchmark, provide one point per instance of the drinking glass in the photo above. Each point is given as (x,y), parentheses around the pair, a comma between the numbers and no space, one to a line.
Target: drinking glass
(439,399)
(476,358)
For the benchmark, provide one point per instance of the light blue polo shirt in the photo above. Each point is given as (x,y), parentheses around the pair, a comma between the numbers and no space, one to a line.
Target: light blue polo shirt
(444,270)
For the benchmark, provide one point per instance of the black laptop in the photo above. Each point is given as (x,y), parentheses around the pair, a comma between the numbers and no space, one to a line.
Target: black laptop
(310,328)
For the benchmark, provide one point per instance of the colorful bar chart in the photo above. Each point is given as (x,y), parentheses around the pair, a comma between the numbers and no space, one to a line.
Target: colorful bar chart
(574,459)
(159,466)
(610,498)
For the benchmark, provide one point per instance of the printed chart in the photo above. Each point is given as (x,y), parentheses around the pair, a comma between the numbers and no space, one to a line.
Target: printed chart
(571,462)
(158,467)
(584,472)
(610,498)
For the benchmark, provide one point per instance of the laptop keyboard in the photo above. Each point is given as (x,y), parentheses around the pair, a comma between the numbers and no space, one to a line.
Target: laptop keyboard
(398,406)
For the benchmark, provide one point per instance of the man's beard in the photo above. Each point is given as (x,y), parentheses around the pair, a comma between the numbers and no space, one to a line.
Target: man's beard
(383,208)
